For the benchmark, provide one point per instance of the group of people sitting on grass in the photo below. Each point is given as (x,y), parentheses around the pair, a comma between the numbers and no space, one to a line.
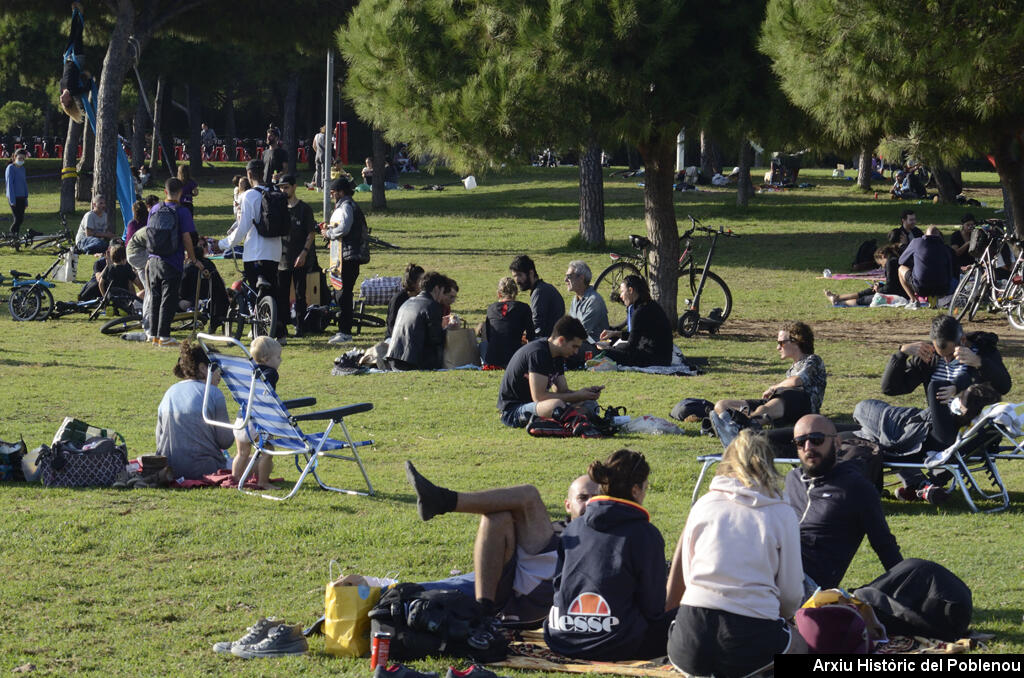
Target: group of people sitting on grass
(420,313)
(960,374)
(598,581)
(917,265)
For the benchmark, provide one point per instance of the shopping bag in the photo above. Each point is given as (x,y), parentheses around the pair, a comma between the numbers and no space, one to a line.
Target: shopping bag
(460,348)
(347,603)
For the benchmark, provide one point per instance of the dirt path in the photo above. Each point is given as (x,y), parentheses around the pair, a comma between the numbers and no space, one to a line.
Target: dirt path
(884,333)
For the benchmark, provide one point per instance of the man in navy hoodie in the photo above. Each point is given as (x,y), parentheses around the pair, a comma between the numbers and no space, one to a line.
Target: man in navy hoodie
(836,505)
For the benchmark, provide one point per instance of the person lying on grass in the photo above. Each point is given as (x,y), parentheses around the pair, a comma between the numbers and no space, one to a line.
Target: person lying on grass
(887,258)
(516,547)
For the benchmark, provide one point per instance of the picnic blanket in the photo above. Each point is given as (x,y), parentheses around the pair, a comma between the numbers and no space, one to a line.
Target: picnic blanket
(221,478)
(876,274)
(528,651)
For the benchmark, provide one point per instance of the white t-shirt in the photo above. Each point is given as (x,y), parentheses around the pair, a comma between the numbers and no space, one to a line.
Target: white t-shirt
(92,221)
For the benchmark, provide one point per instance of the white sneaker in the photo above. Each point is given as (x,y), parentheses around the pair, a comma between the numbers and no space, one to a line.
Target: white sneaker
(339,338)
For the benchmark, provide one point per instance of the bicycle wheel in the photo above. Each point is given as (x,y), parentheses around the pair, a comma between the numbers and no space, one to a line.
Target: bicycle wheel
(126,323)
(266,317)
(966,294)
(24,303)
(607,285)
(233,321)
(715,294)
(45,302)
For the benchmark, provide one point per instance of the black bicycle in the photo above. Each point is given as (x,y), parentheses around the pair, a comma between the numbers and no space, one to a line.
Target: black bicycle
(699,287)
(250,307)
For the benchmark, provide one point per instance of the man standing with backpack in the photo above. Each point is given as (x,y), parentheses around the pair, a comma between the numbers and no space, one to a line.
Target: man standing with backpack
(263,219)
(168,248)
(350,246)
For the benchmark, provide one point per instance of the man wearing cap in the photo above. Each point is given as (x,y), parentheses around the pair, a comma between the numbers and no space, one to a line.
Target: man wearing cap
(348,233)
(275,158)
(836,506)
(297,254)
(261,256)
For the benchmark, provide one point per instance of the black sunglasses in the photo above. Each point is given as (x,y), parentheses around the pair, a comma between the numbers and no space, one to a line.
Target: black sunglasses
(815,438)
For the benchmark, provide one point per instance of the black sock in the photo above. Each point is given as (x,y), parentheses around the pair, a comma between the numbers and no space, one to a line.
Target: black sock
(487,605)
(431,500)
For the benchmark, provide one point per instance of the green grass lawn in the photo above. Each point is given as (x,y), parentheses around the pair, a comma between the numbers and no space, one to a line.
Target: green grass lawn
(143,582)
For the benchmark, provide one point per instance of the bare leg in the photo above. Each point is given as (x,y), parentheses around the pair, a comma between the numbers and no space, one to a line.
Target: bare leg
(494,546)
(905,282)
(243,450)
(546,408)
(849,299)
(675,588)
(263,468)
(724,405)
(532,526)
(773,409)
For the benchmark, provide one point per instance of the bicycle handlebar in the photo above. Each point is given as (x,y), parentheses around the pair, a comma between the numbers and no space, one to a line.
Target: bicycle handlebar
(696,225)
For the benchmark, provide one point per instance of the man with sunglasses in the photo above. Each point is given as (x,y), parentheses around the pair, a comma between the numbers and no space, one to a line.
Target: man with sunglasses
(951,356)
(836,505)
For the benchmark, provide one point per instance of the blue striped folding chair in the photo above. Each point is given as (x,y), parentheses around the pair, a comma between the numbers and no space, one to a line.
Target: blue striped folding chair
(269,425)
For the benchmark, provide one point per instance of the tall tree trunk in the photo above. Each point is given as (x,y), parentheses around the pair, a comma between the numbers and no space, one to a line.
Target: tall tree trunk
(380,200)
(291,98)
(139,135)
(864,169)
(230,131)
(1009,157)
(633,159)
(710,156)
(947,184)
(83,184)
(745,187)
(659,214)
(591,195)
(115,66)
(158,119)
(195,120)
(67,186)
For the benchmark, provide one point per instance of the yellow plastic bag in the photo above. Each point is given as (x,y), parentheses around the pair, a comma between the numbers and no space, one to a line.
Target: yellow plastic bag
(823,597)
(347,604)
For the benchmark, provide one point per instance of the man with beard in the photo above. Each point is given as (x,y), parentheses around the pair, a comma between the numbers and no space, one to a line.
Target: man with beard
(545,301)
(836,505)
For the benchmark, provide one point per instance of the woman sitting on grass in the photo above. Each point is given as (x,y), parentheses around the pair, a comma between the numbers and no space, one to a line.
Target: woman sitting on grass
(193,448)
(507,322)
(887,258)
(648,331)
(737,569)
(609,601)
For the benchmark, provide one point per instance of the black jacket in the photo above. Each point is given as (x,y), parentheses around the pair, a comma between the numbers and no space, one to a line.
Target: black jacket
(650,340)
(903,374)
(609,582)
(547,306)
(418,338)
(836,511)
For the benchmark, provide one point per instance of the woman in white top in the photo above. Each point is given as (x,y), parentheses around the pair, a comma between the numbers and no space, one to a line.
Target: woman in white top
(737,569)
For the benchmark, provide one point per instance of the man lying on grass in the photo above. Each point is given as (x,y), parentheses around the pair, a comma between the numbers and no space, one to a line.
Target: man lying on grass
(516,547)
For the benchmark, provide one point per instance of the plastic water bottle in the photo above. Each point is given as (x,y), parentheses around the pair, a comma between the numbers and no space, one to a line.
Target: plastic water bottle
(827,273)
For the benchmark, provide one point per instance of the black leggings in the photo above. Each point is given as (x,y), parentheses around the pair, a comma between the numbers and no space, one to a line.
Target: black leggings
(18,208)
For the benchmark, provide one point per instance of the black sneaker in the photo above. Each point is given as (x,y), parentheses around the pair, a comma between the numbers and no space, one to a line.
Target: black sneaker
(253,635)
(281,640)
(933,494)
(401,671)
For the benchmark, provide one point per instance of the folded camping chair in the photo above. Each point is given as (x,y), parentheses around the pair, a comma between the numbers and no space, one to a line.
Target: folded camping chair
(269,425)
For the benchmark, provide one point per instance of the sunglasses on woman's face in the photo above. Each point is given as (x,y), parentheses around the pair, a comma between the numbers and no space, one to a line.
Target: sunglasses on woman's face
(814,438)
(783,342)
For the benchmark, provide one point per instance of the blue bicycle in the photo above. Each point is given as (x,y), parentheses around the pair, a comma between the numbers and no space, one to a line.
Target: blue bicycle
(31,298)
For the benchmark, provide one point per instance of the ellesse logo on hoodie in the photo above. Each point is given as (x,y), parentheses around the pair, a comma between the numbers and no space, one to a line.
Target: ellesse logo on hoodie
(588,613)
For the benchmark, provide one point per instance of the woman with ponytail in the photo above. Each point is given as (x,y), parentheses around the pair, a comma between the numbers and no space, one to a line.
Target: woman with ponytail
(609,601)
(737,568)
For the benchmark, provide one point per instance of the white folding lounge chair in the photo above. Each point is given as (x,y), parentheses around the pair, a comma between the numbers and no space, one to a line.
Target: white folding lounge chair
(996,434)
(267,422)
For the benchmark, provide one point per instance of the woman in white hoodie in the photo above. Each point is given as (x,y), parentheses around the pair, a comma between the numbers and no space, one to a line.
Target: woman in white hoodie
(737,569)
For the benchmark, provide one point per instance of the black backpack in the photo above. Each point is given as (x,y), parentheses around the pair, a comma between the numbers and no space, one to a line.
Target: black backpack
(440,622)
(920,598)
(865,257)
(274,220)
(163,233)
